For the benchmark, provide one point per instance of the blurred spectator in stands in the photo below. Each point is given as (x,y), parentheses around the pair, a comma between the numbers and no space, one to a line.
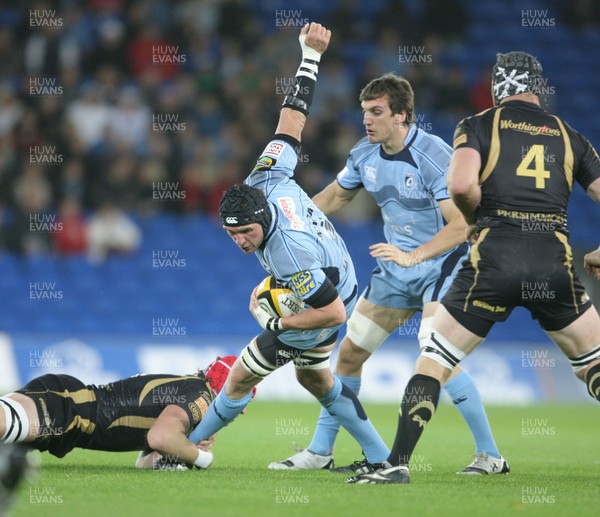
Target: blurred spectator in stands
(130,121)
(152,172)
(11,109)
(480,96)
(71,183)
(111,48)
(11,55)
(28,133)
(227,173)
(117,180)
(447,19)
(111,232)
(48,50)
(452,93)
(400,18)
(8,167)
(234,17)
(32,223)
(197,16)
(336,87)
(71,235)
(152,53)
(88,117)
(387,51)
(202,62)
(581,14)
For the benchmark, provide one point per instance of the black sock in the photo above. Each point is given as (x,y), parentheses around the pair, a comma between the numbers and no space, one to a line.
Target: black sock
(593,381)
(418,407)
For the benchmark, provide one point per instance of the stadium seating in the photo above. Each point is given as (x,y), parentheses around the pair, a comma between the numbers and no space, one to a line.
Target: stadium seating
(210,293)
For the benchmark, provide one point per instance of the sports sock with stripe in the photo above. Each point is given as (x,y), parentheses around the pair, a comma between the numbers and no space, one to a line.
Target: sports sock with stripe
(418,407)
(466,398)
(343,405)
(327,427)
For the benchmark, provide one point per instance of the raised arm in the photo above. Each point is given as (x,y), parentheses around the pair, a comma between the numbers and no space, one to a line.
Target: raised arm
(314,39)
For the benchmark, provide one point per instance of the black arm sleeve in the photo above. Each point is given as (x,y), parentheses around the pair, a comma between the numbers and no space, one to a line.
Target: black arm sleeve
(326,294)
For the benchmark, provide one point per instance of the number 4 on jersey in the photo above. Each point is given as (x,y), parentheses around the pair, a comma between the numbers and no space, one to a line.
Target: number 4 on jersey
(535,155)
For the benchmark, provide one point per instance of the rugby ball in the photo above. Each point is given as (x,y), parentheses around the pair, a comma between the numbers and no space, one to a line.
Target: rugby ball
(277,300)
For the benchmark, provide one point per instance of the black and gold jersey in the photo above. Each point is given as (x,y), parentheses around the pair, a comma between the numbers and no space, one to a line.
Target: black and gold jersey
(529,161)
(110,417)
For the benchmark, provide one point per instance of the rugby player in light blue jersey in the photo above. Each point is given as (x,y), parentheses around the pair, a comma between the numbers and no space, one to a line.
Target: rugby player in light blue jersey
(271,216)
(404,169)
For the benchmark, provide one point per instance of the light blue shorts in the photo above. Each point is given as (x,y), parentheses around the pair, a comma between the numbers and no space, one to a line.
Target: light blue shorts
(411,288)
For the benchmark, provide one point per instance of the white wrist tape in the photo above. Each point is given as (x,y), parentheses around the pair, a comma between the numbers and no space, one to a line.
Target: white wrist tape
(308,52)
(204,459)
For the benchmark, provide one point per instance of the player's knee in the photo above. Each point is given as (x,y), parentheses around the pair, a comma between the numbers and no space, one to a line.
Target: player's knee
(316,383)
(425,331)
(439,349)
(253,362)
(16,421)
(350,359)
(365,333)
(584,363)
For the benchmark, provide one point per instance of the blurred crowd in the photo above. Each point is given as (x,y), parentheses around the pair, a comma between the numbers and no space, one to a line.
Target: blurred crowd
(114,107)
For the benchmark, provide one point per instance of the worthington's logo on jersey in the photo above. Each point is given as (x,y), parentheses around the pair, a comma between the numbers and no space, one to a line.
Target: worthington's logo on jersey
(525,127)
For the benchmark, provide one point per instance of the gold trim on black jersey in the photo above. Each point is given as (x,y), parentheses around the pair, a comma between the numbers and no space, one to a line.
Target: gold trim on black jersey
(85,425)
(79,397)
(138,422)
(494,153)
(568,163)
(474,258)
(569,265)
(150,385)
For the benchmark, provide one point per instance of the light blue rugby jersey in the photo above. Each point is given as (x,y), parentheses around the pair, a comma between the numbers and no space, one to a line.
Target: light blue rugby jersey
(301,238)
(406,185)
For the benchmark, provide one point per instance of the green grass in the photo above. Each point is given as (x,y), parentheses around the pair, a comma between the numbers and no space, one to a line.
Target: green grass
(552,451)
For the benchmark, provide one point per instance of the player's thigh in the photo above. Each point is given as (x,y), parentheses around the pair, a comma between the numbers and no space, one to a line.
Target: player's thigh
(579,337)
(461,337)
(388,318)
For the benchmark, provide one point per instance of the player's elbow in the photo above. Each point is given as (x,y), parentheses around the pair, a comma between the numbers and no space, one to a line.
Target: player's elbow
(460,187)
(337,313)
(158,439)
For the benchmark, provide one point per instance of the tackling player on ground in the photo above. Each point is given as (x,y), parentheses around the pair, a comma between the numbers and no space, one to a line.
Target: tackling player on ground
(404,169)
(511,176)
(149,413)
(271,216)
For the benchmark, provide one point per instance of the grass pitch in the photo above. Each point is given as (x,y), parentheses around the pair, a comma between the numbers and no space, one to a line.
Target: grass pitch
(552,452)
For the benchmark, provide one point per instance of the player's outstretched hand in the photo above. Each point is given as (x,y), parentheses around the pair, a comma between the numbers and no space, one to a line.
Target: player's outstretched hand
(591,263)
(315,36)
(207,445)
(390,253)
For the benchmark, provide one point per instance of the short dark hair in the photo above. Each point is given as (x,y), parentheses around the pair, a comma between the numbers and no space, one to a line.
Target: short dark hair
(399,91)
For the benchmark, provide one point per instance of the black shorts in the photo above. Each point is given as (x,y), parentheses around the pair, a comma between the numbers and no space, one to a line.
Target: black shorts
(66,410)
(506,269)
